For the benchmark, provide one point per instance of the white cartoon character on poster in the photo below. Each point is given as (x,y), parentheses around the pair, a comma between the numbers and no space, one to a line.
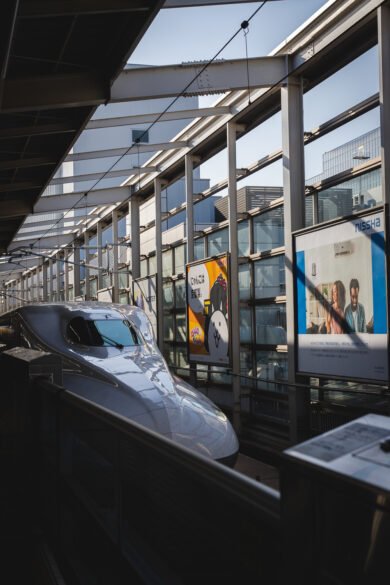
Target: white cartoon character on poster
(216,324)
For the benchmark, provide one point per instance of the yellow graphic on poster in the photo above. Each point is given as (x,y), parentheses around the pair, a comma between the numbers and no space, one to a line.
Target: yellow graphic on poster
(208,311)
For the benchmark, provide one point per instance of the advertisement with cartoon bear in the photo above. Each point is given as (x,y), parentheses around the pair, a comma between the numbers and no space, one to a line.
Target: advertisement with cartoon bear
(208,311)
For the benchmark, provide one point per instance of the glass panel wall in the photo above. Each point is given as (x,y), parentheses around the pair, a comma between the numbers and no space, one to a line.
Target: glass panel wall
(269,277)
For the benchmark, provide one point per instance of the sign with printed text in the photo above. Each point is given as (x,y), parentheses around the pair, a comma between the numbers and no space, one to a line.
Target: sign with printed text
(208,311)
(342,301)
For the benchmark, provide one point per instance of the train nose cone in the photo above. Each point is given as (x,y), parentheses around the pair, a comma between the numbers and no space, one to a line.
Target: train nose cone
(169,405)
(198,424)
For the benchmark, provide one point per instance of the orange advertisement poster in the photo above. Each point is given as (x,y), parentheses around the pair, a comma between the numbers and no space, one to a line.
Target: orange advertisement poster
(208,311)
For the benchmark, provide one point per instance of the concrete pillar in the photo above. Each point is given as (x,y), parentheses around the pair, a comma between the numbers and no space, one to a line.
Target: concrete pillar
(159,277)
(294,219)
(234,302)
(115,252)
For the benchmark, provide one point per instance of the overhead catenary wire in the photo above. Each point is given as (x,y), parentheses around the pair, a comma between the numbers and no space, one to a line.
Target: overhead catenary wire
(158,118)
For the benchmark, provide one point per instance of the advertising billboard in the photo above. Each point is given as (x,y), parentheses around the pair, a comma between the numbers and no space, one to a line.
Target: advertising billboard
(340,277)
(208,311)
(145,297)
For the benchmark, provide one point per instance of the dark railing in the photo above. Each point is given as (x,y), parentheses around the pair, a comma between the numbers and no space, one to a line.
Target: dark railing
(117,500)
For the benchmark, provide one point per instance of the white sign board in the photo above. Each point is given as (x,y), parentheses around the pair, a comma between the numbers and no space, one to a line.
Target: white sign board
(340,278)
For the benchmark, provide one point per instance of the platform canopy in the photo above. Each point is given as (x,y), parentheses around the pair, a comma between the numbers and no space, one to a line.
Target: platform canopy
(58,60)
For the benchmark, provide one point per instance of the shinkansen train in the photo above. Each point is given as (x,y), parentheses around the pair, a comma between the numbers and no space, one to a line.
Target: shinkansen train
(110,356)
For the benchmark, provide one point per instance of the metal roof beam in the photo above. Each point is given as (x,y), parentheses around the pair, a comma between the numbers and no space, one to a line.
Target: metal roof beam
(24,163)
(71,220)
(221,76)
(50,9)
(103,175)
(135,149)
(161,117)
(47,242)
(81,200)
(54,91)
(43,231)
(195,3)
(13,207)
(38,129)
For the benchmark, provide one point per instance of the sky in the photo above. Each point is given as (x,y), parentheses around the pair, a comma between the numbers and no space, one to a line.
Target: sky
(195,34)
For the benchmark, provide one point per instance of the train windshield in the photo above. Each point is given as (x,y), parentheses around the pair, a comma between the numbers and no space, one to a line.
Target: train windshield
(102,332)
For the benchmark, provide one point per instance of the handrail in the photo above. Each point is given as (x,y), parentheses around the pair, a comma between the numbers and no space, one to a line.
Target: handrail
(115,477)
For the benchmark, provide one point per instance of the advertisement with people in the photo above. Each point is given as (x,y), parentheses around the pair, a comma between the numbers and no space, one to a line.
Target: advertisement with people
(208,311)
(145,297)
(341,300)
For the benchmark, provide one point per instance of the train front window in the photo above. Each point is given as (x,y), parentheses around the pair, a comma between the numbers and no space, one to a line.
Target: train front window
(102,332)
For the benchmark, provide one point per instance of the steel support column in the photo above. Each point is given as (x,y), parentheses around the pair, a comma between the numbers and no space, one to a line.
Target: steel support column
(66,276)
(234,302)
(99,240)
(189,178)
(384,95)
(76,270)
(50,281)
(294,219)
(189,172)
(87,286)
(44,281)
(159,277)
(384,101)
(135,237)
(115,252)
(22,290)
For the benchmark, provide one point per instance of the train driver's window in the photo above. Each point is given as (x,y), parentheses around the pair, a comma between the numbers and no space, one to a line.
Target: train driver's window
(79,332)
(102,332)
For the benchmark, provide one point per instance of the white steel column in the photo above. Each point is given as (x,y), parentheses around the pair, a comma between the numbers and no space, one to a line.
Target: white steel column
(384,96)
(294,219)
(44,280)
(66,276)
(50,294)
(76,270)
(135,237)
(35,284)
(384,101)
(86,269)
(99,240)
(115,251)
(189,178)
(58,274)
(189,170)
(22,290)
(159,278)
(234,301)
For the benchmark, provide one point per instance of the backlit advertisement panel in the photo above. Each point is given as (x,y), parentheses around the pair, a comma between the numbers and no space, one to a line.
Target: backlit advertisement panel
(341,300)
(208,311)
(145,297)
